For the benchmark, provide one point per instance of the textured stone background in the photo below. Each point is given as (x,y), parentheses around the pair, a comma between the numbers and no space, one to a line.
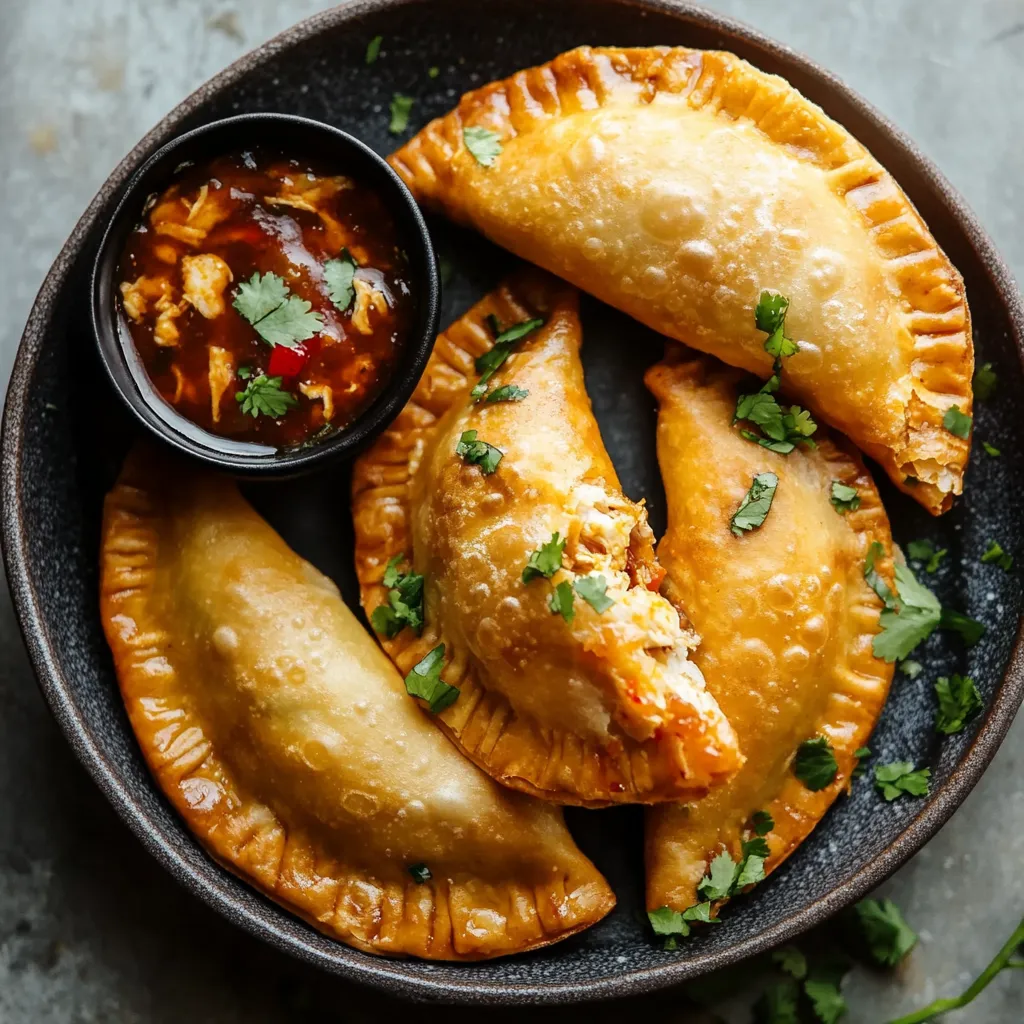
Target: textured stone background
(90,928)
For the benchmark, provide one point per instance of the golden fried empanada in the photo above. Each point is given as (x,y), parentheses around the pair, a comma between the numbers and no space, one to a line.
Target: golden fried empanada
(785,616)
(285,739)
(677,185)
(540,578)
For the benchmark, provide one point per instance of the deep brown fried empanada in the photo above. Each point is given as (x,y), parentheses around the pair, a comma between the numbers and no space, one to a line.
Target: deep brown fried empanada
(606,707)
(285,739)
(785,616)
(677,185)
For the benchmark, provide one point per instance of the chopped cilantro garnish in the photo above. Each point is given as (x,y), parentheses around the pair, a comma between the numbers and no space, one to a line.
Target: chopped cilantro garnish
(770,317)
(504,345)
(756,504)
(791,961)
(507,393)
(784,429)
(673,924)
(420,873)
(970,630)
(815,763)
(433,72)
(425,681)
(985,381)
(959,702)
(762,823)
(991,449)
(338,274)
(263,395)
(593,589)
(401,108)
(886,934)
(874,581)
(957,422)
(484,144)
(826,999)
(373,49)
(727,877)
(995,553)
(899,777)
(925,551)
(279,317)
(546,560)
(480,453)
(911,669)
(844,498)
(405,601)
(561,601)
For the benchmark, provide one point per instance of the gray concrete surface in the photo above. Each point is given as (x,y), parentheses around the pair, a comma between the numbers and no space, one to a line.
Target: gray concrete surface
(90,928)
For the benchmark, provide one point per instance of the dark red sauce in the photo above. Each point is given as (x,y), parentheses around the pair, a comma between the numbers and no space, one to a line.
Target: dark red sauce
(324,238)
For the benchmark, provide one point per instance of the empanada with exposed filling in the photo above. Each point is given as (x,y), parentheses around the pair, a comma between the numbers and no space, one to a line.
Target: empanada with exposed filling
(285,739)
(678,184)
(574,676)
(785,616)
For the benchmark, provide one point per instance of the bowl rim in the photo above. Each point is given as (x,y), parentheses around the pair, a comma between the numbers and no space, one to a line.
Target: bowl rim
(390,975)
(149,412)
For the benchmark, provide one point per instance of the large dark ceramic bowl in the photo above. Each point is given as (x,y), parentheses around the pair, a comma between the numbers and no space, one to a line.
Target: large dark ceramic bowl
(59,457)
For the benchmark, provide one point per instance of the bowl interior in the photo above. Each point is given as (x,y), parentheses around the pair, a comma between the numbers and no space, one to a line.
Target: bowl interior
(62,449)
(292,136)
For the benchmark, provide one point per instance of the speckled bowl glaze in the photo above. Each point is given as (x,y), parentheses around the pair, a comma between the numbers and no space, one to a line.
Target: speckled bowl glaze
(62,448)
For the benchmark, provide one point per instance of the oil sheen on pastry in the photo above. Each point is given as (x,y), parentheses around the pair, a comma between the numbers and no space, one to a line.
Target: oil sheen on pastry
(785,616)
(284,737)
(677,185)
(606,707)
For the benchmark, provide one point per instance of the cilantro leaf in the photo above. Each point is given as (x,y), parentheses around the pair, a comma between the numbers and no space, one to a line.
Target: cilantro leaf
(480,453)
(912,619)
(911,669)
(593,589)
(887,935)
(900,777)
(762,822)
(826,999)
(405,602)
(995,553)
(970,630)
(991,449)
(561,601)
(751,866)
(279,317)
(420,872)
(985,381)
(756,504)
(339,274)
(959,702)
(770,317)
(925,551)
(666,921)
(505,343)
(263,395)
(874,581)
(401,108)
(844,498)
(791,961)
(781,447)
(718,883)
(700,912)
(484,144)
(815,763)
(546,560)
(779,1004)
(507,393)
(956,422)
(373,49)
(425,681)
(260,295)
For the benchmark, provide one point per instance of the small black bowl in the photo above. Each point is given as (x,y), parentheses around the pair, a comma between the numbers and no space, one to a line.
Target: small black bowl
(293,136)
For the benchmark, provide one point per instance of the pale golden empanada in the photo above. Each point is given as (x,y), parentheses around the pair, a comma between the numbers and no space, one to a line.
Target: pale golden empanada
(785,616)
(677,185)
(603,709)
(285,739)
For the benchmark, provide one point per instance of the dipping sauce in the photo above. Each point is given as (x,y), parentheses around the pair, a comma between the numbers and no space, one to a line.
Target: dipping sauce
(267,297)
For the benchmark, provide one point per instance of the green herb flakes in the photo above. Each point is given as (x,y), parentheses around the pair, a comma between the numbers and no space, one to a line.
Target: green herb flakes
(925,552)
(815,763)
(401,108)
(405,601)
(425,681)
(278,317)
(338,275)
(985,380)
(264,396)
(899,778)
(844,498)
(561,601)
(373,49)
(959,702)
(756,504)
(546,560)
(886,934)
(593,590)
(762,822)
(957,423)
(994,554)
(479,453)
(484,144)
(991,449)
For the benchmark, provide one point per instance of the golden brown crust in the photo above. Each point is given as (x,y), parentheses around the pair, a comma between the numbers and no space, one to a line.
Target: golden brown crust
(578,713)
(320,858)
(798,663)
(928,322)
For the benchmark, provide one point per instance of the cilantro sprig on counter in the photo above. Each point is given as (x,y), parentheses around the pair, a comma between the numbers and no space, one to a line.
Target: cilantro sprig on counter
(405,601)
(887,936)
(279,317)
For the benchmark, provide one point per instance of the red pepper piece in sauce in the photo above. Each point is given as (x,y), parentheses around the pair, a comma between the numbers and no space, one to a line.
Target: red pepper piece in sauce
(287,362)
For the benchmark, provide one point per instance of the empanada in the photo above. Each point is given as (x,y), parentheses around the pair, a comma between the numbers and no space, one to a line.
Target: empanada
(540,578)
(678,185)
(285,739)
(785,616)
